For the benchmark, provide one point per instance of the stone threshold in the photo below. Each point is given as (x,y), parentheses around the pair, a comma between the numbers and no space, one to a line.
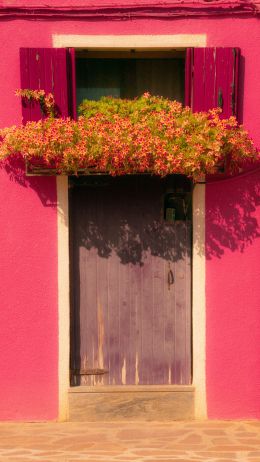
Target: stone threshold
(131,403)
(131,388)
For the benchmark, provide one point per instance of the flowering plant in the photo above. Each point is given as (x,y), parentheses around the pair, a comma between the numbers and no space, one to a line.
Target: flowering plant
(148,134)
(47,103)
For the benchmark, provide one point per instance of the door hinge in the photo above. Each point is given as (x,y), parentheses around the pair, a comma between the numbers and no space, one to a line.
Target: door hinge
(89,371)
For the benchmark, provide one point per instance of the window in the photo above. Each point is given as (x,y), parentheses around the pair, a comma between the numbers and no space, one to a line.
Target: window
(209,72)
(130,74)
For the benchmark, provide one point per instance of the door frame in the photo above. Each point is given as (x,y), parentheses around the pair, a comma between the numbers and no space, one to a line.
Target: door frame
(151,42)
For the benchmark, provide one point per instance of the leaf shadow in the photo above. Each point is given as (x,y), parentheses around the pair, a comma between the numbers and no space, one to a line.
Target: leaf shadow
(231,214)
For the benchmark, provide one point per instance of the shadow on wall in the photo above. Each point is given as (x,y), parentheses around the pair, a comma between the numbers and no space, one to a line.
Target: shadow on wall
(232,221)
(41,185)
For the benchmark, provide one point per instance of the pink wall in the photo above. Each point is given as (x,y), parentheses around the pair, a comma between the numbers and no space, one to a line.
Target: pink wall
(233,298)
(28,340)
(28,297)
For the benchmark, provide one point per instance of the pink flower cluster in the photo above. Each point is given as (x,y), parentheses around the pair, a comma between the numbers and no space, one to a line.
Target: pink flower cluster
(148,134)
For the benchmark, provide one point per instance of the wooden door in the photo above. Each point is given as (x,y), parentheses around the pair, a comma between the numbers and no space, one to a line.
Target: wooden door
(131,280)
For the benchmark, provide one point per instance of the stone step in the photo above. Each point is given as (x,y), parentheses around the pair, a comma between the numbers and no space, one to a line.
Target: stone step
(131,403)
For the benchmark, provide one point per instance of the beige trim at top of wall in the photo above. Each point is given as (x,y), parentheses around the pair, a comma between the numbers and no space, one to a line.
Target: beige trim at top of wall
(126,42)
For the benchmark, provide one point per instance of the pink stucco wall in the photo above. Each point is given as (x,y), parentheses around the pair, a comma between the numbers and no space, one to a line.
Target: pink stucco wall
(28,296)
(233,298)
(28,242)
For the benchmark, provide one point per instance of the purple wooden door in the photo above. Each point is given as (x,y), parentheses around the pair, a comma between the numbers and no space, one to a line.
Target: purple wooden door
(131,276)
(211,79)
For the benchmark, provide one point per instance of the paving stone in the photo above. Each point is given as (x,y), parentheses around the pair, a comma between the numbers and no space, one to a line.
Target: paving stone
(205,441)
(223,455)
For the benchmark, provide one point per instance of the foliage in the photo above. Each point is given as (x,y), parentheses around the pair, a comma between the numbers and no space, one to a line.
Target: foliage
(46,102)
(148,134)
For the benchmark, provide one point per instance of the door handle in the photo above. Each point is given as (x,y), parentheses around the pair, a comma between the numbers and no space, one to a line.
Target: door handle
(170,278)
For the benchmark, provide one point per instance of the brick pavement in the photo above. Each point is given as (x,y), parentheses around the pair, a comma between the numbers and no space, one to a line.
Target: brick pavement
(212,441)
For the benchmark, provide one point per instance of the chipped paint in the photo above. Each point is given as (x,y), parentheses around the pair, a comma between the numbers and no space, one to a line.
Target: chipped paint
(123,372)
(100,380)
(100,321)
(169,375)
(136,369)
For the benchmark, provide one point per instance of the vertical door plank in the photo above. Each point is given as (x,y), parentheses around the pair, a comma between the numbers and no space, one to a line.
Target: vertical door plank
(147,205)
(180,309)
(136,225)
(88,284)
(170,302)
(124,246)
(110,234)
(188,327)
(160,369)
(160,241)
(133,374)
(146,363)
(102,301)
(75,356)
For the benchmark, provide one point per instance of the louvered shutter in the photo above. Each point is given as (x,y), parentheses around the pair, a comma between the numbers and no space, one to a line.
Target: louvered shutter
(52,70)
(211,79)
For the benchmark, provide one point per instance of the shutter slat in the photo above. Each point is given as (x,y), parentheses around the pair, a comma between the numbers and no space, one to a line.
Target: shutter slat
(36,80)
(46,81)
(26,109)
(60,82)
(212,78)
(236,89)
(222,80)
(71,67)
(46,69)
(198,80)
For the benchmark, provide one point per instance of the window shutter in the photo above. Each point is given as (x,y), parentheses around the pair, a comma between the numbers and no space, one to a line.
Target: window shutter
(52,70)
(211,79)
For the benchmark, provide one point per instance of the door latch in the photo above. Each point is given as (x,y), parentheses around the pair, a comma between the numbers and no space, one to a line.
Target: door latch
(170,279)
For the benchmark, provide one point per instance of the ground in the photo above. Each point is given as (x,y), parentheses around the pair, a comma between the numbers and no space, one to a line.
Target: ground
(212,441)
